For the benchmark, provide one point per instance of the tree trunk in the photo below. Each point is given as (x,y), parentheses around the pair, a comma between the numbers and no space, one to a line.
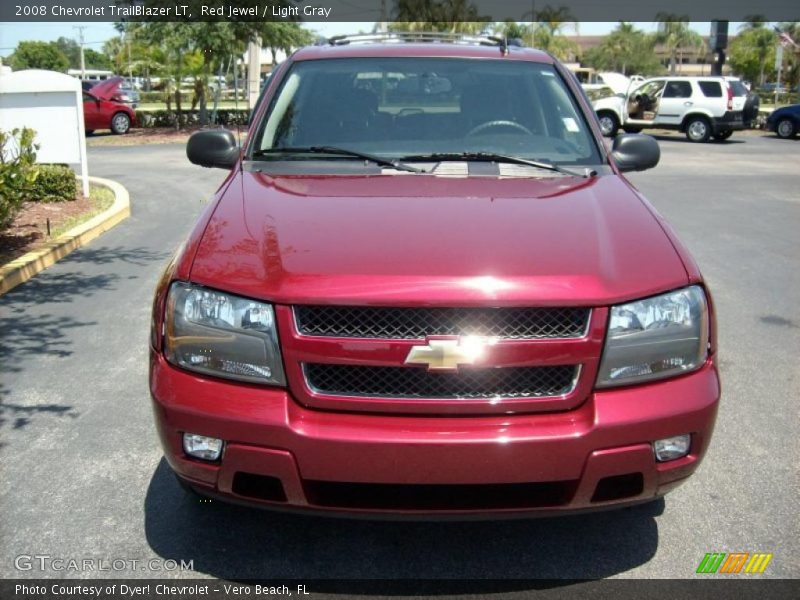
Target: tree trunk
(201,88)
(202,116)
(178,78)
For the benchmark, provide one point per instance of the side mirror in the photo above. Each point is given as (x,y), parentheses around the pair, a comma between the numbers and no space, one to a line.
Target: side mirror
(213,148)
(635,152)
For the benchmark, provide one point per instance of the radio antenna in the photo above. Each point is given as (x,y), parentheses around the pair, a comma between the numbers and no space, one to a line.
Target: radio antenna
(236,103)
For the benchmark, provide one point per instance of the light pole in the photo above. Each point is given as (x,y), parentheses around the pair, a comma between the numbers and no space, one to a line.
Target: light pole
(80,29)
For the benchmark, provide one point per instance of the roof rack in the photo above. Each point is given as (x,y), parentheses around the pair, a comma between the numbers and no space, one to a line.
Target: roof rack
(419,36)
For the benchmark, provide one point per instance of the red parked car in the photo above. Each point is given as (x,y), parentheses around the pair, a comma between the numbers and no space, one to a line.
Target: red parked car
(102,111)
(425,287)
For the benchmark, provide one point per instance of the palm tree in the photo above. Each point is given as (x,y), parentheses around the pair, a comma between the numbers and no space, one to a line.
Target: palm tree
(512,30)
(763,42)
(452,16)
(792,73)
(622,44)
(674,33)
(551,21)
(627,50)
(286,36)
(753,22)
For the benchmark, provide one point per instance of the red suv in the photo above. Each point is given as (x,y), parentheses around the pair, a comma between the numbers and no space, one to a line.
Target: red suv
(426,288)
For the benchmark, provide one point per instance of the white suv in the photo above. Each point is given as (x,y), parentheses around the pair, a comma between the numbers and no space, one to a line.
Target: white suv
(701,107)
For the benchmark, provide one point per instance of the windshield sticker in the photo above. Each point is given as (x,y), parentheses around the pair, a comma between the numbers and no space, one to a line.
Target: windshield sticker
(570,124)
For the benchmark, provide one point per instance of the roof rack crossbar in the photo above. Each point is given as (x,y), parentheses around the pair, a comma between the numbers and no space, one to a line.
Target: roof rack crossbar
(419,36)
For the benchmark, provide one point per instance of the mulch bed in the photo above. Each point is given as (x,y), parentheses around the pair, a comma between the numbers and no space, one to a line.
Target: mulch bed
(135,137)
(28,231)
(151,135)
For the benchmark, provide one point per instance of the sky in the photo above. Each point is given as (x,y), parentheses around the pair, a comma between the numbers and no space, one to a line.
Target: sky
(94,34)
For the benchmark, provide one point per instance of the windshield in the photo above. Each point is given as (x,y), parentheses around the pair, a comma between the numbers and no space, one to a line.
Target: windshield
(412,107)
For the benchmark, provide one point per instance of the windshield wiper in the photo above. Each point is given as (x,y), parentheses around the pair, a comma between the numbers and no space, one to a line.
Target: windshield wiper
(378,160)
(491,156)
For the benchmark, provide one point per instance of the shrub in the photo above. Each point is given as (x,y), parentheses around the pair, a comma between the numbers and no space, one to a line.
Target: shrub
(18,171)
(226,117)
(55,183)
(150,97)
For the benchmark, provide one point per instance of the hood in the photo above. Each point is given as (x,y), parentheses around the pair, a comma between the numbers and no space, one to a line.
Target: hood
(106,89)
(618,82)
(421,239)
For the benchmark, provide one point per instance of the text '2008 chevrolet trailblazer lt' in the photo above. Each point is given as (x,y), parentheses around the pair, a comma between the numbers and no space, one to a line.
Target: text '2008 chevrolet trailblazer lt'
(425,288)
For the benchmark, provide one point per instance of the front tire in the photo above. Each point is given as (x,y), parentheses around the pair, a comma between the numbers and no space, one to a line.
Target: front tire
(723,135)
(785,129)
(698,129)
(120,123)
(609,124)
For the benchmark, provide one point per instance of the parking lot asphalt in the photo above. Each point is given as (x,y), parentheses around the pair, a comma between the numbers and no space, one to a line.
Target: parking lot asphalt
(83,475)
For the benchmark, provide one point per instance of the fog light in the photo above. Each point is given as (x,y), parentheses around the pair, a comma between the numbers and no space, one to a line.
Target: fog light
(200,446)
(672,448)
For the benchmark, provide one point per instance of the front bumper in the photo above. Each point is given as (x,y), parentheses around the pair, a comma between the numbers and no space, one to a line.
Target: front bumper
(281,454)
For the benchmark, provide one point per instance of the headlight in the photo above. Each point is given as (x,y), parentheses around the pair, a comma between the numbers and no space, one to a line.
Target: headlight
(223,335)
(655,338)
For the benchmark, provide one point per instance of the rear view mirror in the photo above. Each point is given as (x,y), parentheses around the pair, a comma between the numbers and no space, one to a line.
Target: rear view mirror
(213,148)
(635,152)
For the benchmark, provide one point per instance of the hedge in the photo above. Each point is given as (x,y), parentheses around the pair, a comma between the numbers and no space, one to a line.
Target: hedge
(55,183)
(149,97)
(167,118)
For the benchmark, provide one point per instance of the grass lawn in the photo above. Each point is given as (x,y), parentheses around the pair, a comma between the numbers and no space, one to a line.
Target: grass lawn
(100,199)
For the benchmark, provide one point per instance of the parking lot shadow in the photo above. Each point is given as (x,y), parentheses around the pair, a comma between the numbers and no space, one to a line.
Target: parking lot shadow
(661,137)
(234,542)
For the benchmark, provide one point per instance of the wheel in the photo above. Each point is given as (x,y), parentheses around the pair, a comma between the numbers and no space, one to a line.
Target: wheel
(120,123)
(698,129)
(723,135)
(629,129)
(609,124)
(786,129)
(491,124)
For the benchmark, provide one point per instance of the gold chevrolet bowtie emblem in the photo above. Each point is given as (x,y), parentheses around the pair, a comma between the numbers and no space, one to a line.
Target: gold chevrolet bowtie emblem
(446,354)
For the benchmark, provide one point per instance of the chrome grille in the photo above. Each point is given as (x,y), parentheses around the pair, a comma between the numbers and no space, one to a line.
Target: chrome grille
(417,323)
(413,382)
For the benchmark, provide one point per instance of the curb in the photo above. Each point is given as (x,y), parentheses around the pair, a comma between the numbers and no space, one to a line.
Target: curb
(26,266)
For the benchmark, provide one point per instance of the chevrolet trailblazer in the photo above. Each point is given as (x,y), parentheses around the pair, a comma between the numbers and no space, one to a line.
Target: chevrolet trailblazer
(426,288)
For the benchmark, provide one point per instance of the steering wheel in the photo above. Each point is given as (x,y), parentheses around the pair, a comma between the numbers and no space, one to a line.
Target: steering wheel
(490,124)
